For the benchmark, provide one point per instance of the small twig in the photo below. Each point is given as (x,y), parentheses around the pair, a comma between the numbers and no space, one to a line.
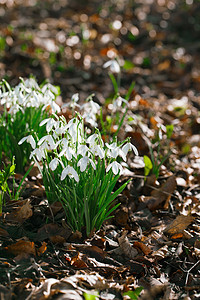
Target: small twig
(186,280)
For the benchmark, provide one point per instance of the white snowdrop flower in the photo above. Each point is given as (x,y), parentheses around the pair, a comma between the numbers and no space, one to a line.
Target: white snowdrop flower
(75,129)
(113,150)
(90,109)
(113,65)
(54,163)
(70,171)
(122,154)
(118,103)
(83,162)
(67,152)
(129,146)
(49,87)
(39,153)
(29,139)
(49,140)
(50,123)
(15,108)
(116,168)
(83,149)
(55,107)
(75,97)
(111,146)
(92,138)
(97,150)
(90,120)
(73,103)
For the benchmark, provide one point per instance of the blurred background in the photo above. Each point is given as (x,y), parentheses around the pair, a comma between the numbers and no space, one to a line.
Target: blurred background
(67,42)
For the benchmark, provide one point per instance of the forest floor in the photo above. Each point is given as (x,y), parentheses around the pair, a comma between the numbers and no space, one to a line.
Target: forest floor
(153,240)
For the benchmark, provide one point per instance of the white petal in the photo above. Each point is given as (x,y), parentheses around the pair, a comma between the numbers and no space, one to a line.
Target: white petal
(115,167)
(53,164)
(73,173)
(93,164)
(64,173)
(122,154)
(83,163)
(44,122)
(108,167)
(22,140)
(31,140)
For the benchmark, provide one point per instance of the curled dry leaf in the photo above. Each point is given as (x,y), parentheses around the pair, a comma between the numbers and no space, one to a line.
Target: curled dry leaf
(179,224)
(21,247)
(126,247)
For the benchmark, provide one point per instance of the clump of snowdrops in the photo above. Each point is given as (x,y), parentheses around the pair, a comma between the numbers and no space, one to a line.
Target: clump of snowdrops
(79,170)
(25,106)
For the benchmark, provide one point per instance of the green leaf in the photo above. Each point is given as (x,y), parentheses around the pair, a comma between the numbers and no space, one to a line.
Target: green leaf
(12,169)
(134,294)
(91,296)
(169,129)
(128,65)
(148,165)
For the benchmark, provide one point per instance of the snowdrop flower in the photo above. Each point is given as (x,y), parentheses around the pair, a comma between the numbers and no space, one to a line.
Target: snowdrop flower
(49,87)
(90,110)
(97,150)
(118,103)
(49,140)
(83,149)
(29,139)
(116,168)
(50,123)
(113,65)
(73,103)
(92,139)
(28,94)
(54,163)
(67,151)
(71,172)
(129,146)
(15,108)
(83,162)
(55,107)
(75,129)
(114,151)
(38,152)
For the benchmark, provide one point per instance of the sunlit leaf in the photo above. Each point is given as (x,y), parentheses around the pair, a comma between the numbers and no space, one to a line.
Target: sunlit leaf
(134,294)
(148,165)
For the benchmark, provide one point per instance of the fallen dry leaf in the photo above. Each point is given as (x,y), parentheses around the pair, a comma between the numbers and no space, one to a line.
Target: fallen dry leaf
(42,249)
(50,230)
(160,253)
(57,239)
(21,213)
(145,249)
(179,224)
(21,247)
(126,247)
(77,262)
(162,195)
(121,216)
(3,232)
